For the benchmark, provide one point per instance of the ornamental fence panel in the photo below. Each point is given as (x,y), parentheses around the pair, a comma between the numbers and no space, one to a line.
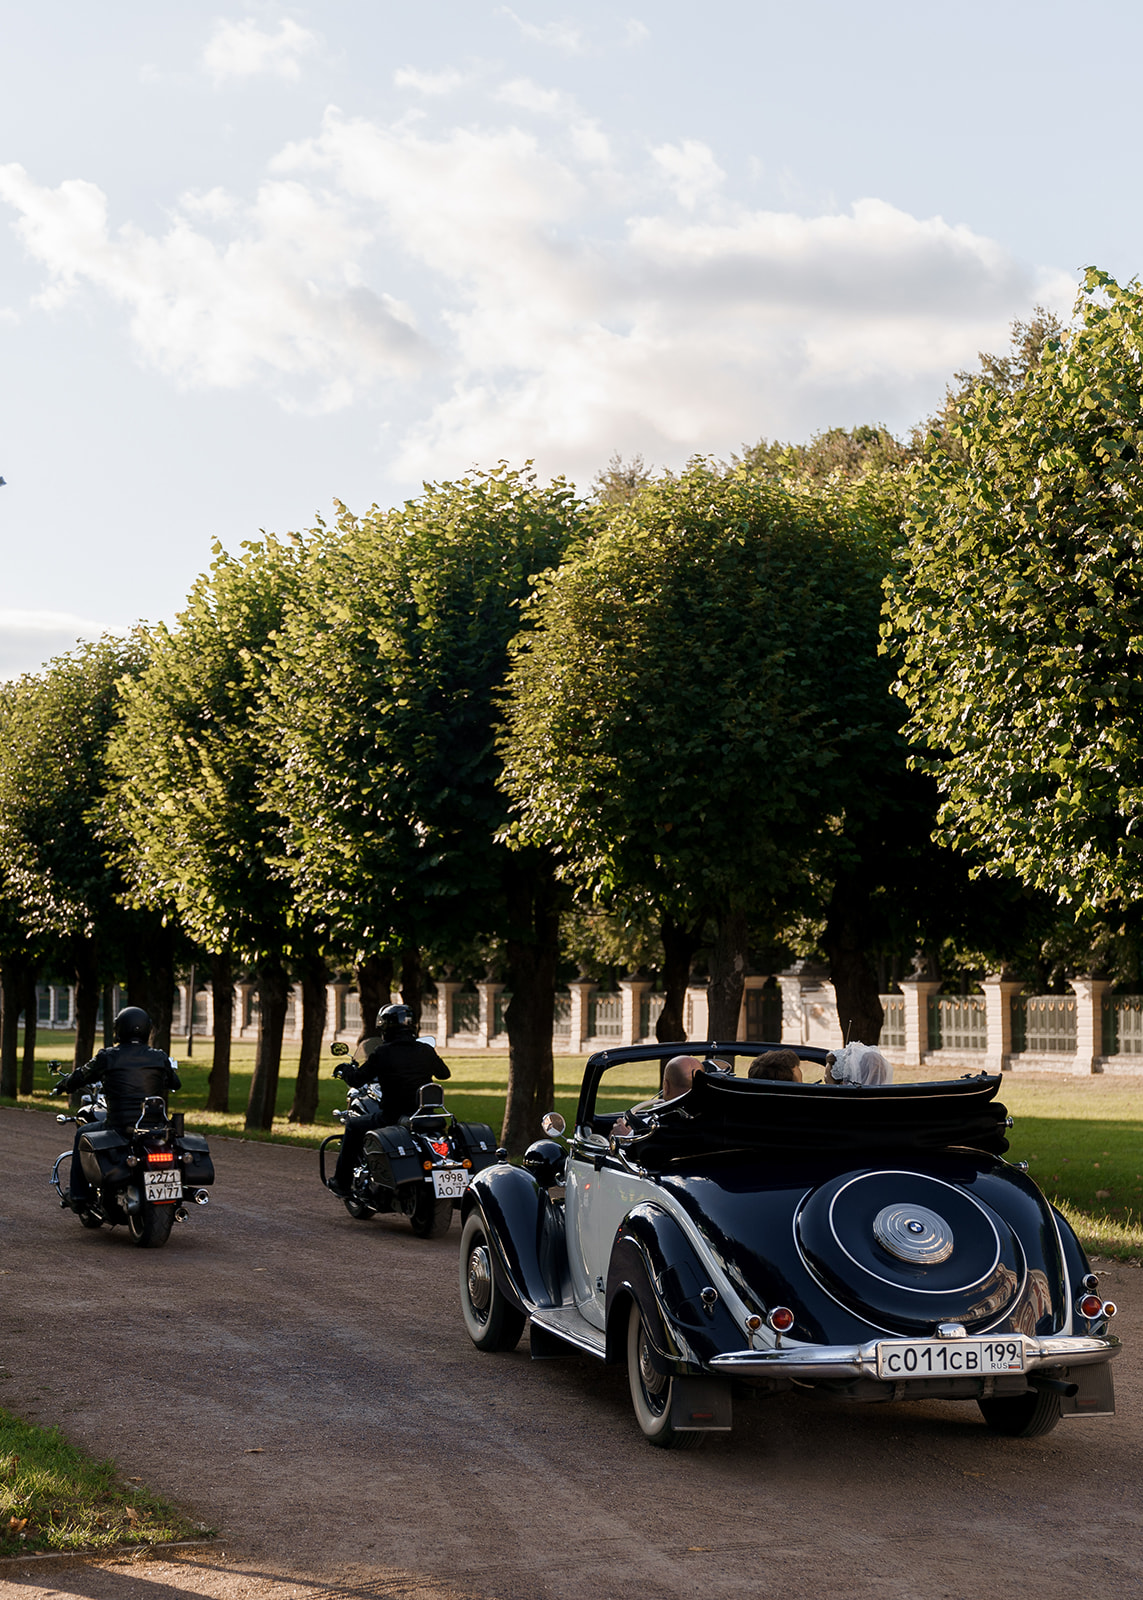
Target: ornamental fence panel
(1043,1024)
(958,1022)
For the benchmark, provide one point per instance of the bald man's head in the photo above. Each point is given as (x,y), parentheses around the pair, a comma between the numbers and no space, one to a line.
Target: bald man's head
(677,1075)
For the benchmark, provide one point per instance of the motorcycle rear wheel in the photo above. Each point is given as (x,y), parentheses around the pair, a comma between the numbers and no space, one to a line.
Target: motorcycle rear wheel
(430,1217)
(151,1226)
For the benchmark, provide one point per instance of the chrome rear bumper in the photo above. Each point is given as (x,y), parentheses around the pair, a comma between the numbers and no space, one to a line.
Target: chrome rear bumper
(810,1361)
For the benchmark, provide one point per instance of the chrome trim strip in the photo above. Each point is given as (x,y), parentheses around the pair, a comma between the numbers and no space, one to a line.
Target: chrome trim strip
(860,1361)
(573,1336)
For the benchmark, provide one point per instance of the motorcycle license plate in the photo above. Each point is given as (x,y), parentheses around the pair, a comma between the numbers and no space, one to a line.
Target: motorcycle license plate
(450,1183)
(949,1358)
(162,1185)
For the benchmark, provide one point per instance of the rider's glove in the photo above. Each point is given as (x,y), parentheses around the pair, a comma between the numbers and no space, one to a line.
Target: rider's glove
(339,1072)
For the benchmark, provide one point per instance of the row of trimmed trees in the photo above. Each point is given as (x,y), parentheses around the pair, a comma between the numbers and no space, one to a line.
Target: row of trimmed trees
(421,736)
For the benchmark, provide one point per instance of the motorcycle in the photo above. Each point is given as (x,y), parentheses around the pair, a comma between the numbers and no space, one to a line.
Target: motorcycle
(140,1178)
(418,1168)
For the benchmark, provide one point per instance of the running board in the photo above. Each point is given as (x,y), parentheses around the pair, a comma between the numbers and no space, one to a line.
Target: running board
(556,1328)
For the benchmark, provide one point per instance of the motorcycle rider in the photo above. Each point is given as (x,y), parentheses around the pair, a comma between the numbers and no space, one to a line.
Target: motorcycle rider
(130,1072)
(401,1063)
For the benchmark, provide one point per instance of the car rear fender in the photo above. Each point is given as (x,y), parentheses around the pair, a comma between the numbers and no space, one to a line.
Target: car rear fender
(654,1263)
(525,1230)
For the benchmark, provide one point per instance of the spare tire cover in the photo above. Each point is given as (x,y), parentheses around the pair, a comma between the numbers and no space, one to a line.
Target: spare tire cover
(907,1251)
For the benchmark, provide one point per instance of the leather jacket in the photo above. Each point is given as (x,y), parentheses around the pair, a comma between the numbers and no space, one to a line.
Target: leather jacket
(129,1074)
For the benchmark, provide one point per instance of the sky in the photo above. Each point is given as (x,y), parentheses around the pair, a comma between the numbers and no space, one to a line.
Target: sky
(258,258)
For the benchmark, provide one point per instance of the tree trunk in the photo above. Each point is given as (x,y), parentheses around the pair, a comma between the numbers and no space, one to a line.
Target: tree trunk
(533,934)
(11,996)
(859,1009)
(679,945)
(412,981)
(727,975)
(374,990)
(108,1019)
(31,1021)
(162,987)
(273,999)
(314,975)
(222,1000)
(86,1000)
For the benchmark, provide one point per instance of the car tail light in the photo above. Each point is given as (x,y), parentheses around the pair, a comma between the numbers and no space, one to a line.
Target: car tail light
(1089,1306)
(781,1319)
(1109,1308)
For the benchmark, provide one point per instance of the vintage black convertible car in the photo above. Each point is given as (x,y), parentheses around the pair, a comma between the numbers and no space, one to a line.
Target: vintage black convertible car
(868,1242)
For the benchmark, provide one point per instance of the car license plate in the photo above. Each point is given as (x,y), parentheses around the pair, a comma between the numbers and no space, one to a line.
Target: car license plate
(449,1183)
(164,1185)
(949,1358)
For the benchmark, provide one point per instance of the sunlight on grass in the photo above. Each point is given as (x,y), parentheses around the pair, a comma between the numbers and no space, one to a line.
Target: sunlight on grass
(53,1497)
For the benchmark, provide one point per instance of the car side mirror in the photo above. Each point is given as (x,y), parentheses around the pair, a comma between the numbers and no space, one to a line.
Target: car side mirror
(339,1048)
(553,1124)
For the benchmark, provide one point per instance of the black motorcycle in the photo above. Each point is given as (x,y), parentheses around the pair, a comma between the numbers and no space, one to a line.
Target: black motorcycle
(140,1178)
(420,1167)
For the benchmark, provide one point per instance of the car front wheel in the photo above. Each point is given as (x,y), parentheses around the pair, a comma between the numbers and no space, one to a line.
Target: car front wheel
(492,1321)
(652,1391)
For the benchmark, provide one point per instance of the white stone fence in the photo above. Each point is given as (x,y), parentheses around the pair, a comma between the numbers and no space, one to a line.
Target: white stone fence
(1000,1029)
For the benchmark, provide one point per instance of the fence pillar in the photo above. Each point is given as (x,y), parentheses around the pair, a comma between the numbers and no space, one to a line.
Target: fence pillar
(486,1021)
(580,993)
(1089,994)
(446,988)
(917,993)
(793,1011)
(998,992)
(698,1008)
(632,990)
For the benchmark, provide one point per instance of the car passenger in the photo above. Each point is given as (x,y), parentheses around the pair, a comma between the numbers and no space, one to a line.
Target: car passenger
(781,1066)
(677,1075)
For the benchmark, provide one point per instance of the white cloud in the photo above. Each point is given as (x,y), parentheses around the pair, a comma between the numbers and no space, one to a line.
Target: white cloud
(447,81)
(573,310)
(244,50)
(691,169)
(561,36)
(280,295)
(30,638)
(635,32)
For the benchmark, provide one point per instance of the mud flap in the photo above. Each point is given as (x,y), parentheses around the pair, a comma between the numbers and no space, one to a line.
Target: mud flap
(1096,1394)
(701,1405)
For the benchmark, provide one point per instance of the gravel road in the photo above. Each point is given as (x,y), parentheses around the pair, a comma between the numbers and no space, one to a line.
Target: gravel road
(303,1382)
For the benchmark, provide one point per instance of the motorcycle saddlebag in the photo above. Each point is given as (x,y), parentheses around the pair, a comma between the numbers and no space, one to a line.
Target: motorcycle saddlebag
(477,1141)
(200,1169)
(103,1156)
(393,1157)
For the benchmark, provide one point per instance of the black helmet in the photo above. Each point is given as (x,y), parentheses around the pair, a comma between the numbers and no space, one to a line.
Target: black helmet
(132,1026)
(394,1020)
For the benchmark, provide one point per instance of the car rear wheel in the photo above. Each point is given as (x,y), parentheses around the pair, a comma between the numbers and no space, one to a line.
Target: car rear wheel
(492,1321)
(1022,1416)
(652,1391)
(150,1226)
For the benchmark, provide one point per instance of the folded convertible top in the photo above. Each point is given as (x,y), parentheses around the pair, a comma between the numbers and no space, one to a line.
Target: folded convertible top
(721,1112)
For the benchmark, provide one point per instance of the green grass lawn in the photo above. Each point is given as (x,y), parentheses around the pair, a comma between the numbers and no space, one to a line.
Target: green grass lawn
(53,1497)
(1082,1137)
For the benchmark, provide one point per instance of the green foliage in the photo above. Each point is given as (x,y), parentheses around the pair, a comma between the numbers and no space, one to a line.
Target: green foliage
(189,761)
(837,454)
(697,679)
(381,698)
(1018,609)
(52,779)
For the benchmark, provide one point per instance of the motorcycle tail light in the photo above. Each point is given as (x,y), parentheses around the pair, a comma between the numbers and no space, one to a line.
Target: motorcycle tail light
(781,1319)
(428,1166)
(1089,1306)
(158,1157)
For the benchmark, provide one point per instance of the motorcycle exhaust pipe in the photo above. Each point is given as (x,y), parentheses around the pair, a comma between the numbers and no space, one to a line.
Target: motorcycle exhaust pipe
(180,1214)
(201,1197)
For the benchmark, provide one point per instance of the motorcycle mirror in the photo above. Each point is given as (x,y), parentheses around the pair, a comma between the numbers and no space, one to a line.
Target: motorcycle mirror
(339,1048)
(552,1123)
(428,1038)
